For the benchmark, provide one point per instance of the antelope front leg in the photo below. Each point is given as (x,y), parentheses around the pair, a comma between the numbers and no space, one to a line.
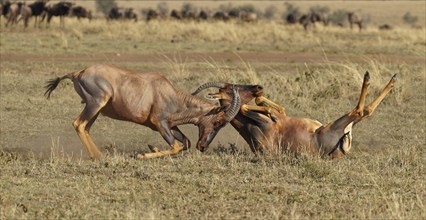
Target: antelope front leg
(266,112)
(175,148)
(262,100)
(261,109)
(167,134)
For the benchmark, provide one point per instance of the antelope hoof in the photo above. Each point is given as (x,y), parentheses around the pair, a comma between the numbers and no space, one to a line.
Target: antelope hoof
(153,149)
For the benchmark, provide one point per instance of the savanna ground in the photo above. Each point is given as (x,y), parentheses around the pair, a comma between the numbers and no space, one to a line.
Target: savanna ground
(45,172)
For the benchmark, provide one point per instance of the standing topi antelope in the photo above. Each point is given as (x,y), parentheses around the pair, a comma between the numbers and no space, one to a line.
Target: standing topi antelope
(265,127)
(145,98)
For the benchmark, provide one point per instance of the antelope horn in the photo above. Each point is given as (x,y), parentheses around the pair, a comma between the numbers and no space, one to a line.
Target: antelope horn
(235,106)
(208,85)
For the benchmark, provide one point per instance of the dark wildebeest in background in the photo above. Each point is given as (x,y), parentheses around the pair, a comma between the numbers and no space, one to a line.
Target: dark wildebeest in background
(12,12)
(81,12)
(151,14)
(234,13)
(291,18)
(60,9)
(203,15)
(36,9)
(353,18)
(220,15)
(189,13)
(117,13)
(130,14)
(385,27)
(4,8)
(1,9)
(176,14)
(309,20)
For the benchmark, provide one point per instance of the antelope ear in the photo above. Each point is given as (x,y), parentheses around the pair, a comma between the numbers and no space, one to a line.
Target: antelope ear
(214,96)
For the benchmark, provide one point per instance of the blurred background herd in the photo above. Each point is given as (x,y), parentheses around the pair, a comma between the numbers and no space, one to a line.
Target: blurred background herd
(308,15)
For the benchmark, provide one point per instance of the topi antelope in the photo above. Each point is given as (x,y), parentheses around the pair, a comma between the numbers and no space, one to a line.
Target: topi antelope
(145,98)
(265,127)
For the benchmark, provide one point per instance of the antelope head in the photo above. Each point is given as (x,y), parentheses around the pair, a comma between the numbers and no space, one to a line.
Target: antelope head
(210,125)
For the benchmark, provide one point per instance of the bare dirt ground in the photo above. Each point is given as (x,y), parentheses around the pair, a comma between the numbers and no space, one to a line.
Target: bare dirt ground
(267,57)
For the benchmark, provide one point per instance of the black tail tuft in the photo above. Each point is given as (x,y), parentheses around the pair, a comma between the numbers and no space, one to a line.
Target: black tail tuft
(51,85)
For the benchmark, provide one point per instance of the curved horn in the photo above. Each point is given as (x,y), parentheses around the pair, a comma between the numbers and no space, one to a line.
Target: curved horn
(208,85)
(235,106)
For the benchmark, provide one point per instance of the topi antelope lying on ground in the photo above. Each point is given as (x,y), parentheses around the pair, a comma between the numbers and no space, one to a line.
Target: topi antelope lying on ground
(265,127)
(145,98)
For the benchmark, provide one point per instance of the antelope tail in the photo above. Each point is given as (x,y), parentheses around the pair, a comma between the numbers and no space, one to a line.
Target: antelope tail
(53,83)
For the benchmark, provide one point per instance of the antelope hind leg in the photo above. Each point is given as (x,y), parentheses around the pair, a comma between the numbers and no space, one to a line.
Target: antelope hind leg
(82,125)
(370,108)
(359,110)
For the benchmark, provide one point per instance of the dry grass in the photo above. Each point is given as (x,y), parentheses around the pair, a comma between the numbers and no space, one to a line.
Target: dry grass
(84,38)
(46,174)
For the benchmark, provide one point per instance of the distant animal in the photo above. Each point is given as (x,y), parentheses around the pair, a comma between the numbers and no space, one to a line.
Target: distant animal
(151,15)
(222,16)
(34,9)
(1,9)
(37,9)
(308,20)
(25,14)
(60,9)
(4,6)
(176,14)
(203,15)
(81,12)
(385,27)
(130,14)
(266,128)
(291,18)
(4,9)
(12,12)
(248,16)
(234,13)
(147,99)
(189,15)
(117,13)
(353,18)
(323,17)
